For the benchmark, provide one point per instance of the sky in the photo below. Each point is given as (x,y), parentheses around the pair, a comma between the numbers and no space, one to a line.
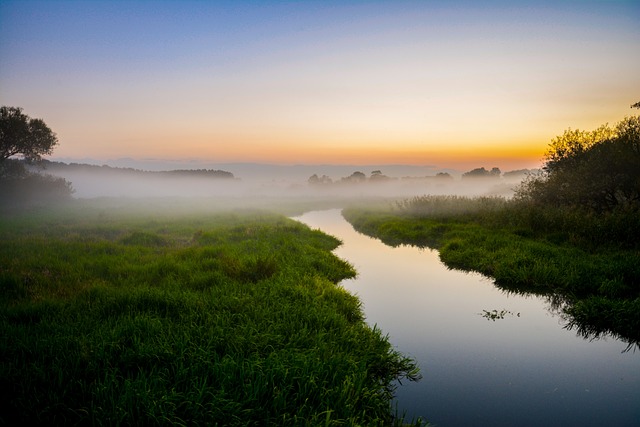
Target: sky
(458,84)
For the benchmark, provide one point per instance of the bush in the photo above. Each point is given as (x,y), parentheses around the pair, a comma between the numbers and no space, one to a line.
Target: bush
(34,189)
(597,170)
(19,187)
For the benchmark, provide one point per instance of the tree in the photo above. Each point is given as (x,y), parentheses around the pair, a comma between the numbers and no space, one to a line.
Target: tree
(316,180)
(597,170)
(22,135)
(377,176)
(444,175)
(565,150)
(355,177)
(482,173)
(29,138)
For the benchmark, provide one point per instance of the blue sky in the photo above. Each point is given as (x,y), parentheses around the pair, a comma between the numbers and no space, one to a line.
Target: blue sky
(451,83)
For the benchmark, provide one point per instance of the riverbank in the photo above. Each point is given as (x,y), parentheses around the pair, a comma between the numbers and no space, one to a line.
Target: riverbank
(594,285)
(111,315)
(488,356)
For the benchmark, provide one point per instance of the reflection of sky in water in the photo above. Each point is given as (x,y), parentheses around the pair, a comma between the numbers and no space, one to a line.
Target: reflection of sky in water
(524,370)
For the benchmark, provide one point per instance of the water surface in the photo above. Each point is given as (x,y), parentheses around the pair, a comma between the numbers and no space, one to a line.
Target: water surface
(524,369)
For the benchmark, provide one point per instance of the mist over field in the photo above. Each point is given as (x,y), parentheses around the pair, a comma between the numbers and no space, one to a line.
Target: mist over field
(164,179)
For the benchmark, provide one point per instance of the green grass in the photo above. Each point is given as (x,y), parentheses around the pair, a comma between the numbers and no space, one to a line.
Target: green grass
(207,317)
(591,274)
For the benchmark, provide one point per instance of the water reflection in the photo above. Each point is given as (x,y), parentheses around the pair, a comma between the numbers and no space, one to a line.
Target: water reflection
(520,370)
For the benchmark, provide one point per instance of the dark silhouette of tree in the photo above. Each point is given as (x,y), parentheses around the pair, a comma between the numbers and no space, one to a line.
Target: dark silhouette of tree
(377,176)
(22,135)
(482,173)
(316,180)
(313,179)
(355,177)
(636,105)
(443,175)
(597,170)
(27,139)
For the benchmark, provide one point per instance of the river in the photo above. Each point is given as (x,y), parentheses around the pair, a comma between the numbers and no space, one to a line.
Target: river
(487,358)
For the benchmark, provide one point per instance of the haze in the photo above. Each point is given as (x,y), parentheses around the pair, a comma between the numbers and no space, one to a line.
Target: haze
(271,184)
(449,84)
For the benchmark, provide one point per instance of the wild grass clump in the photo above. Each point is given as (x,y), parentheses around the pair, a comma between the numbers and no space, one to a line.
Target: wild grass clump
(215,319)
(450,206)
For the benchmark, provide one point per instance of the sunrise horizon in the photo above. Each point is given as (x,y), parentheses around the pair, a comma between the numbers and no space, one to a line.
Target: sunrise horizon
(457,158)
(457,85)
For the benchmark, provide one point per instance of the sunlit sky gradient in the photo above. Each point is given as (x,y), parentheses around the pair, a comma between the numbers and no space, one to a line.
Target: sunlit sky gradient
(454,84)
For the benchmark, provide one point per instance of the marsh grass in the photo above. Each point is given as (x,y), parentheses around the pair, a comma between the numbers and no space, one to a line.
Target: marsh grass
(589,262)
(111,317)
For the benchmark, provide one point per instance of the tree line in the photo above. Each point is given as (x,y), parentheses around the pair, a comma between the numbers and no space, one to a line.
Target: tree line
(358,177)
(23,143)
(83,167)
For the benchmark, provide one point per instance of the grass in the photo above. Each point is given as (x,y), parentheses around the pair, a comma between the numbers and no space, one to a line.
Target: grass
(211,317)
(589,265)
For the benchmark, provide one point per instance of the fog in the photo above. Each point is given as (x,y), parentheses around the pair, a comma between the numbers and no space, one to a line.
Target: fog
(269,181)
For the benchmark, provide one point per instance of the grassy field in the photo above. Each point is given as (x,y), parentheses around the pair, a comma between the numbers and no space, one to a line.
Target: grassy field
(134,315)
(588,266)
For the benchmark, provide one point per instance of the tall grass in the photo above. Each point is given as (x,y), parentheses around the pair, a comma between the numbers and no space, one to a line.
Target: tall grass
(233,318)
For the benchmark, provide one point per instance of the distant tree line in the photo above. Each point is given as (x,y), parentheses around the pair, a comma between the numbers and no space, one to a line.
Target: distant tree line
(23,142)
(482,173)
(378,176)
(354,178)
(201,173)
(359,177)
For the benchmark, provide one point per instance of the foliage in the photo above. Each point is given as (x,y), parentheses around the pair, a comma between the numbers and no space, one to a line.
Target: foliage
(597,170)
(19,187)
(322,180)
(22,135)
(30,138)
(355,177)
(450,206)
(482,173)
(207,318)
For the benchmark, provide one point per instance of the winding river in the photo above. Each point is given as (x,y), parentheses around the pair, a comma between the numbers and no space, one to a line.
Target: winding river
(487,358)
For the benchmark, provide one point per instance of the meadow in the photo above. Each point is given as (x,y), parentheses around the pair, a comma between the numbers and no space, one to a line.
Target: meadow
(134,314)
(586,264)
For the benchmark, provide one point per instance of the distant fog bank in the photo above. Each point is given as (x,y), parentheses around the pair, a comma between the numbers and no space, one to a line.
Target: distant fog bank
(139,179)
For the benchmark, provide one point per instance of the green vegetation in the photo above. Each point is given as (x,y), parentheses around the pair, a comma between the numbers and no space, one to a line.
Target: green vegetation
(20,135)
(598,170)
(571,233)
(111,316)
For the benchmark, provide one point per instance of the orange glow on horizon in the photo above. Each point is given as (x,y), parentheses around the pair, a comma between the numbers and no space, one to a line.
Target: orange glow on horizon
(234,148)
(423,83)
